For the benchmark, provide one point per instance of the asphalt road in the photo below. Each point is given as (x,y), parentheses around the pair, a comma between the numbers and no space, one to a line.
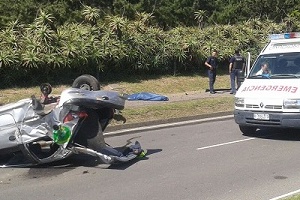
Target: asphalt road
(210,160)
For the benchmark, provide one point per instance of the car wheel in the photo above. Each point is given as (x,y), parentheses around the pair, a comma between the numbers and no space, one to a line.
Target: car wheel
(86,82)
(46,88)
(247,130)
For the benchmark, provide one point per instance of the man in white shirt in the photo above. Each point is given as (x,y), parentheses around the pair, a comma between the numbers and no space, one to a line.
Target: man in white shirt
(264,70)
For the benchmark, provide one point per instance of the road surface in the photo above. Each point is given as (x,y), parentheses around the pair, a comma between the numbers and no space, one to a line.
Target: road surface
(206,161)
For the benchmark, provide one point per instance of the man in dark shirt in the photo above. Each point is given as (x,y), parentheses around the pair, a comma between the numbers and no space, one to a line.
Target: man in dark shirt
(236,69)
(211,64)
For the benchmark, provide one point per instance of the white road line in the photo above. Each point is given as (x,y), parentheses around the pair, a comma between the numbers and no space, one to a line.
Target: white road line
(222,144)
(286,195)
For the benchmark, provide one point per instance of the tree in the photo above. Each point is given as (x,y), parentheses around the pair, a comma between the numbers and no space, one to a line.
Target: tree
(199,16)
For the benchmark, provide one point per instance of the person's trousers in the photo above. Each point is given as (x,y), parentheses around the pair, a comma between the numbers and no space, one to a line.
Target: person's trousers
(212,78)
(234,77)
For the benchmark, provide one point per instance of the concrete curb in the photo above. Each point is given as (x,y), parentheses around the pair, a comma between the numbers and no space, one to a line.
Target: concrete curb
(175,122)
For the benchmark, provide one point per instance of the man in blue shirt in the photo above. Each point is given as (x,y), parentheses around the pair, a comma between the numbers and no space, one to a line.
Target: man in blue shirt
(211,63)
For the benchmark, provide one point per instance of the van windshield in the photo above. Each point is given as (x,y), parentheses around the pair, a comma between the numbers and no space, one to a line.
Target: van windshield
(285,65)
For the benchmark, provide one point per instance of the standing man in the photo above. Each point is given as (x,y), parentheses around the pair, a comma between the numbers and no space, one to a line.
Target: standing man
(236,70)
(211,63)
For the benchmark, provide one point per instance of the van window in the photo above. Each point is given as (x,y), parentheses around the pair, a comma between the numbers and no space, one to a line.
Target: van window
(277,65)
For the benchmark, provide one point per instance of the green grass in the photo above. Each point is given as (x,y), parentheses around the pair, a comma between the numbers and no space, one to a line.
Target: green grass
(178,109)
(172,85)
(162,85)
(15,94)
(297,197)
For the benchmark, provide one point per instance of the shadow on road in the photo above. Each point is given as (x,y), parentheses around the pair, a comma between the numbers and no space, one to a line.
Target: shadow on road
(123,166)
(81,161)
(277,134)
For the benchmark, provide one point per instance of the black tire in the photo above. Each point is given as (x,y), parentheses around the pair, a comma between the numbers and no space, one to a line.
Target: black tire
(248,130)
(46,88)
(86,82)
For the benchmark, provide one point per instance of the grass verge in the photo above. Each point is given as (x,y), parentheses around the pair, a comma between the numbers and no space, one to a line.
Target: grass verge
(178,109)
(160,85)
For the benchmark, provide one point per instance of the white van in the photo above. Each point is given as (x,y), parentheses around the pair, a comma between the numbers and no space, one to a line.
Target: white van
(271,99)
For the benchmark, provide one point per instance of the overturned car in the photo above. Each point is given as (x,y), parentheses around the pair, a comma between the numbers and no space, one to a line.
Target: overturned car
(37,131)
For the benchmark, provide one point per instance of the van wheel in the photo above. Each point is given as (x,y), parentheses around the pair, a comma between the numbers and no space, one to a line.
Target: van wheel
(247,130)
(86,82)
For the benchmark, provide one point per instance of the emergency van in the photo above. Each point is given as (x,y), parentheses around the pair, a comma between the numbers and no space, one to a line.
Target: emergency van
(270,94)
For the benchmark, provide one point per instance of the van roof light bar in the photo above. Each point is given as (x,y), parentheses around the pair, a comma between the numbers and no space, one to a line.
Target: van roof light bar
(284,36)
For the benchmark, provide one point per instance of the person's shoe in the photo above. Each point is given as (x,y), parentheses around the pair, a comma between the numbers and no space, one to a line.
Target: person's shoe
(232,93)
(213,92)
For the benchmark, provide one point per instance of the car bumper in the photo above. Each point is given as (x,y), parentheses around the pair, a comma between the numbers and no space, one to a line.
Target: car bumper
(285,120)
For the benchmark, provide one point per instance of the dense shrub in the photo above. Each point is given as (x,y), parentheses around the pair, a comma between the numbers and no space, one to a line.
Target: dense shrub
(43,50)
